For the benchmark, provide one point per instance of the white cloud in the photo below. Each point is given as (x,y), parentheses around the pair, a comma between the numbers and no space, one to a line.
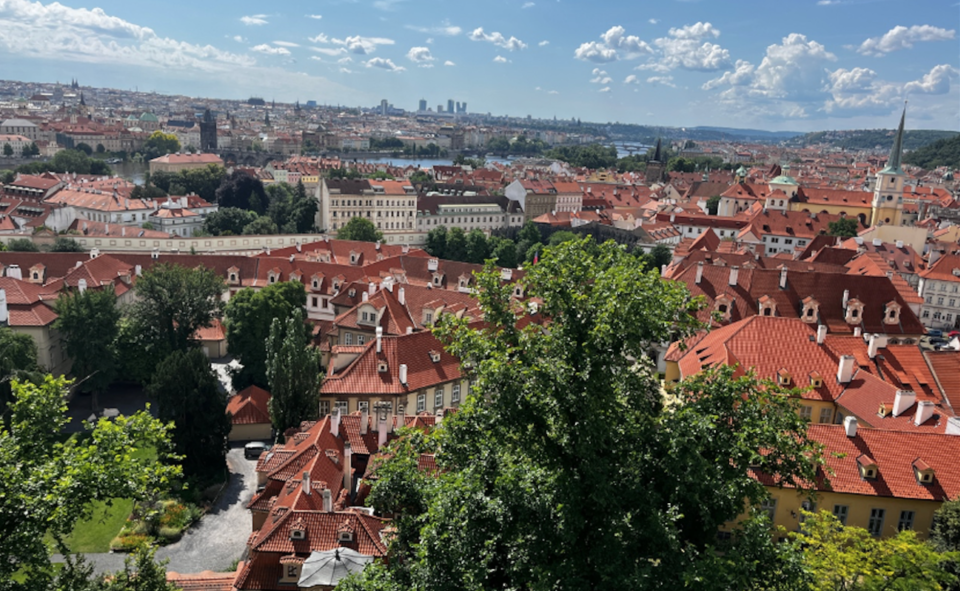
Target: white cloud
(316,58)
(449,63)
(614,42)
(501,60)
(543,43)
(653,21)
(855,80)
(384,64)
(740,75)
(553,92)
(331,51)
(420,55)
(936,81)
(511,44)
(604,89)
(665,80)
(827,2)
(345,60)
(429,41)
(600,77)
(444,28)
(346,71)
(686,47)
(254,19)
(270,50)
(61,33)
(631,79)
(901,37)
(387,5)
(528,5)
(315,17)
(286,44)
(239,39)
(355,44)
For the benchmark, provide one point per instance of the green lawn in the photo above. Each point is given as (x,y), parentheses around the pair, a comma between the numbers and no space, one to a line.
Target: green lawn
(94,534)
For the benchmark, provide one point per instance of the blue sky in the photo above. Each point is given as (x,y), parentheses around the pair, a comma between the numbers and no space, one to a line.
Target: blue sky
(784,65)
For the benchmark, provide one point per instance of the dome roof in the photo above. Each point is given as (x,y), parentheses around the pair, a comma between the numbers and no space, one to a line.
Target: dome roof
(784,180)
(149,117)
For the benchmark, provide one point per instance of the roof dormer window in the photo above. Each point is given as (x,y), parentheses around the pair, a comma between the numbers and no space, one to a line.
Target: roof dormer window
(382,367)
(816,380)
(891,313)
(868,467)
(811,308)
(923,472)
(435,356)
(854,311)
(345,533)
(783,377)
(768,307)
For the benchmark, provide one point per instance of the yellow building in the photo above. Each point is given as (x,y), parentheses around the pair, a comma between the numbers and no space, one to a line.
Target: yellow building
(888,194)
(882,481)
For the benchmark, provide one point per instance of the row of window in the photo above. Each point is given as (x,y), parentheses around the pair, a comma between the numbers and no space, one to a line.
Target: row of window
(826,414)
(952,302)
(369,203)
(438,402)
(939,316)
(842,512)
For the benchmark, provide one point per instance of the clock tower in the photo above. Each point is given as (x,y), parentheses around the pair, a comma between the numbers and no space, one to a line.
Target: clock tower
(888,194)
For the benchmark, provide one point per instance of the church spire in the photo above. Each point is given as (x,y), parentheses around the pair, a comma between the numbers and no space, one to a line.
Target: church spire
(896,152)
(656,153)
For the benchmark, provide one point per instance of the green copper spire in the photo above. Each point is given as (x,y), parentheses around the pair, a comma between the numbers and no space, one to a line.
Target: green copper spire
(896,152)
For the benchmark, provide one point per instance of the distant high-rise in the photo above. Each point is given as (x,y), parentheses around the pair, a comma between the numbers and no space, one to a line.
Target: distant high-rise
(450,108)
(439,108)
(423,105)
(458,108)
(463,107)
(384,106)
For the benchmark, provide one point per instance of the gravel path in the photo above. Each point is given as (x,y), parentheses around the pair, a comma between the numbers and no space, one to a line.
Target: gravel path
(218,539)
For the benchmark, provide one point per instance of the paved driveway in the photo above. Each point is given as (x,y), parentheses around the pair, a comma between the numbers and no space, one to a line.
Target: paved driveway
(218,539)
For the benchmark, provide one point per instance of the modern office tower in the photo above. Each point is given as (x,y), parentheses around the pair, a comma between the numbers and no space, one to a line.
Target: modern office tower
(450,106)
(384,105)
(439,108)
(423,105)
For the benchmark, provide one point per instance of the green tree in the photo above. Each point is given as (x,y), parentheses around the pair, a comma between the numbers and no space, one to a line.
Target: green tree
(18,361)
(437,242)
(160,143)
(262,226)
(7,150)
(713,205)
(529,232)
(71,474)
(202,181)
(188,394)
(945,535)
(174,302)
(139,349)
(850,559)
(248,317)
(141,572)
(228,221)
(844,227)
(89,323)
(22,245)
(63,244)
(561,237)
(506,253)
(293,371)
(421,176)
(533,252)
(31,150)
(361,229)
(657,257)
(565,435)
(456,249)
(478,250)
(304,210)
(101,149)
(84,147)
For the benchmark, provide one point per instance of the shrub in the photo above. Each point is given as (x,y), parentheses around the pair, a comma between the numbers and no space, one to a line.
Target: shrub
(170,534)
(128,542)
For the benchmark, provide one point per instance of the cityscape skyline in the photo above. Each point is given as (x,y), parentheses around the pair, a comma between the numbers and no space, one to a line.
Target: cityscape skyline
(827,64)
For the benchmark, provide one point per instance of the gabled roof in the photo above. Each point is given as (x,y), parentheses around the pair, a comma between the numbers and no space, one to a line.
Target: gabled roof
(249,406)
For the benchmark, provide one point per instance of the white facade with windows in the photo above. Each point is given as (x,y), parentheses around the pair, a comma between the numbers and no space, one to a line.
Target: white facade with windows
(941,302)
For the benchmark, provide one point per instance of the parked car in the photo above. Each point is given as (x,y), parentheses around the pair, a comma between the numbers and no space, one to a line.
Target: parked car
(253,449)
(934,332)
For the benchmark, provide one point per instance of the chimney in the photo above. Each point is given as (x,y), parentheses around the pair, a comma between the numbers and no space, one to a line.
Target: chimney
(364,420)
(381,433)
(306,483)
(4,312)
(372,288)
(845,369)
(899,243)
(846,298)
(82,285)
(734,275)
(856,331)
(401,297)
(347,468)
(364,296)
(934,255)
(904,400)
(379,339)
(783,278)
(138,270)
(873,346)
(850,426)
(699,273)
(821,333)
(877,242)
(403,374)
(924,412)
(335,422)
(327,501)
(13,272)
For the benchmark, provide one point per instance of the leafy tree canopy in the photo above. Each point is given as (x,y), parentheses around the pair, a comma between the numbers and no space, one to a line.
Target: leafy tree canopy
(565,435)
(844,227)
(159,144)
(294,372)
(228,221)
(361,229)
(89,323)
(242,191)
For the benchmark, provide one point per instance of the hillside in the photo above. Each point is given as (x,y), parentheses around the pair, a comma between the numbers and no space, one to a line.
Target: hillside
(870,139)
(945,152)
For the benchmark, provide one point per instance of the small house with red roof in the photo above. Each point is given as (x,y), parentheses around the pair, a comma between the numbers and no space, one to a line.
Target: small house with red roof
(250,415)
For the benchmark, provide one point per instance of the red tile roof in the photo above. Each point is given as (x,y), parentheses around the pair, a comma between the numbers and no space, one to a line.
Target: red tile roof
(249,406)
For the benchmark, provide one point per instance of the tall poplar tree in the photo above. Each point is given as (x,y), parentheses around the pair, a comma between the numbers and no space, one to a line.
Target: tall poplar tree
(294,373)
